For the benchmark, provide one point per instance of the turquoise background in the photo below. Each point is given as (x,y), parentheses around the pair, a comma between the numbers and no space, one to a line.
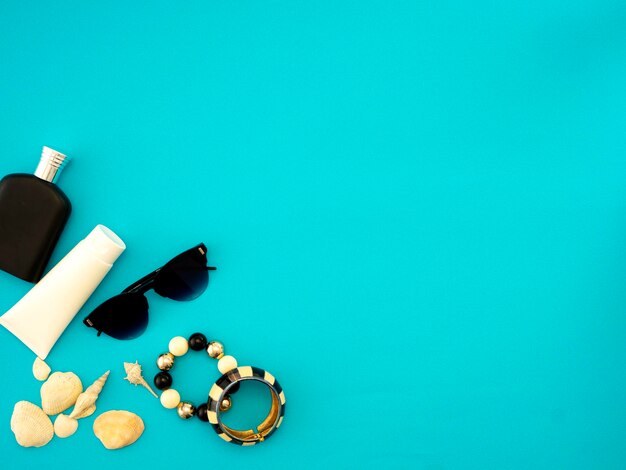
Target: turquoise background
(417,210)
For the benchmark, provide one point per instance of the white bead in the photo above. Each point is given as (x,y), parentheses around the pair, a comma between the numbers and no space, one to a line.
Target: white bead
(170,398)
(178,346)
(226,364)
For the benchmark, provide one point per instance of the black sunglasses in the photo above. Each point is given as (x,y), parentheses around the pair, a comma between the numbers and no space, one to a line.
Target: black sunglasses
(125,316)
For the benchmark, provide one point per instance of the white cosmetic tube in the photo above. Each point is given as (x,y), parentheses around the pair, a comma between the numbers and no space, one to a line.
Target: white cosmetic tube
(42,315)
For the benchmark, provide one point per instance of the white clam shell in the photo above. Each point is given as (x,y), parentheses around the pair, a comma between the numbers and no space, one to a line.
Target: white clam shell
(31,426)
(60,392)
(64,426)
(117,428)
(41,370)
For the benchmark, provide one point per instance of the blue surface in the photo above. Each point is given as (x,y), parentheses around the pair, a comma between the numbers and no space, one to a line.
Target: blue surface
(417,209)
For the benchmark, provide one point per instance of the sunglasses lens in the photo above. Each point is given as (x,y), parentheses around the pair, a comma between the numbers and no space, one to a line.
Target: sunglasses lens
(184,277)
(124,316)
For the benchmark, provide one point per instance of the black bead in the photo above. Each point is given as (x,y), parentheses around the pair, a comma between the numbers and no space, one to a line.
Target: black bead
(163,380)
(198,342)
(201,412)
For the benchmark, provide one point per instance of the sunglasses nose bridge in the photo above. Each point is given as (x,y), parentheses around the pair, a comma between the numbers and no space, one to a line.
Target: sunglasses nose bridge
(144,288)
(144,284)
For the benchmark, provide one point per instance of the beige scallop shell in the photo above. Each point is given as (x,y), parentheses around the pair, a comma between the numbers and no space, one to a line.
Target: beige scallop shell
(31,426)
(41,370)
(59,392)
(64,426)
(117,428)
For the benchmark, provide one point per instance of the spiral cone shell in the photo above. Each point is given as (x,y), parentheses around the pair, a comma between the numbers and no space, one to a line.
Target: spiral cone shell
(86,401)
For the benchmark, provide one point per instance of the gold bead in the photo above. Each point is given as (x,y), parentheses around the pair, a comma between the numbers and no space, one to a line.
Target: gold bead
(215,349)
(165,361)
(185,410)
(226,403)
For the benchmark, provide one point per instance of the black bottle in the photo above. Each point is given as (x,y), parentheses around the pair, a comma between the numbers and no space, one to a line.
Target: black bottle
(33,212)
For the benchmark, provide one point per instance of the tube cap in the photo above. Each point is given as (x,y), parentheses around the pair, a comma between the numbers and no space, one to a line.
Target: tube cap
(105,244)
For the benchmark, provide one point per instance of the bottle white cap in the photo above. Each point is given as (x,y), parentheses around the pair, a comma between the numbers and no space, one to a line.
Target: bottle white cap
(105,244)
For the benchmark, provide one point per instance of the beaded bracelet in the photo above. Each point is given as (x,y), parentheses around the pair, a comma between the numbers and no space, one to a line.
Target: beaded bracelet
(219,399)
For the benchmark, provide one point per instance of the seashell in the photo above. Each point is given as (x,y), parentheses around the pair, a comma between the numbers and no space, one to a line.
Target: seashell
(41,370)
(31,426)
(117,428)
(86,401)
(65,426)
(59,392)
(133,375)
